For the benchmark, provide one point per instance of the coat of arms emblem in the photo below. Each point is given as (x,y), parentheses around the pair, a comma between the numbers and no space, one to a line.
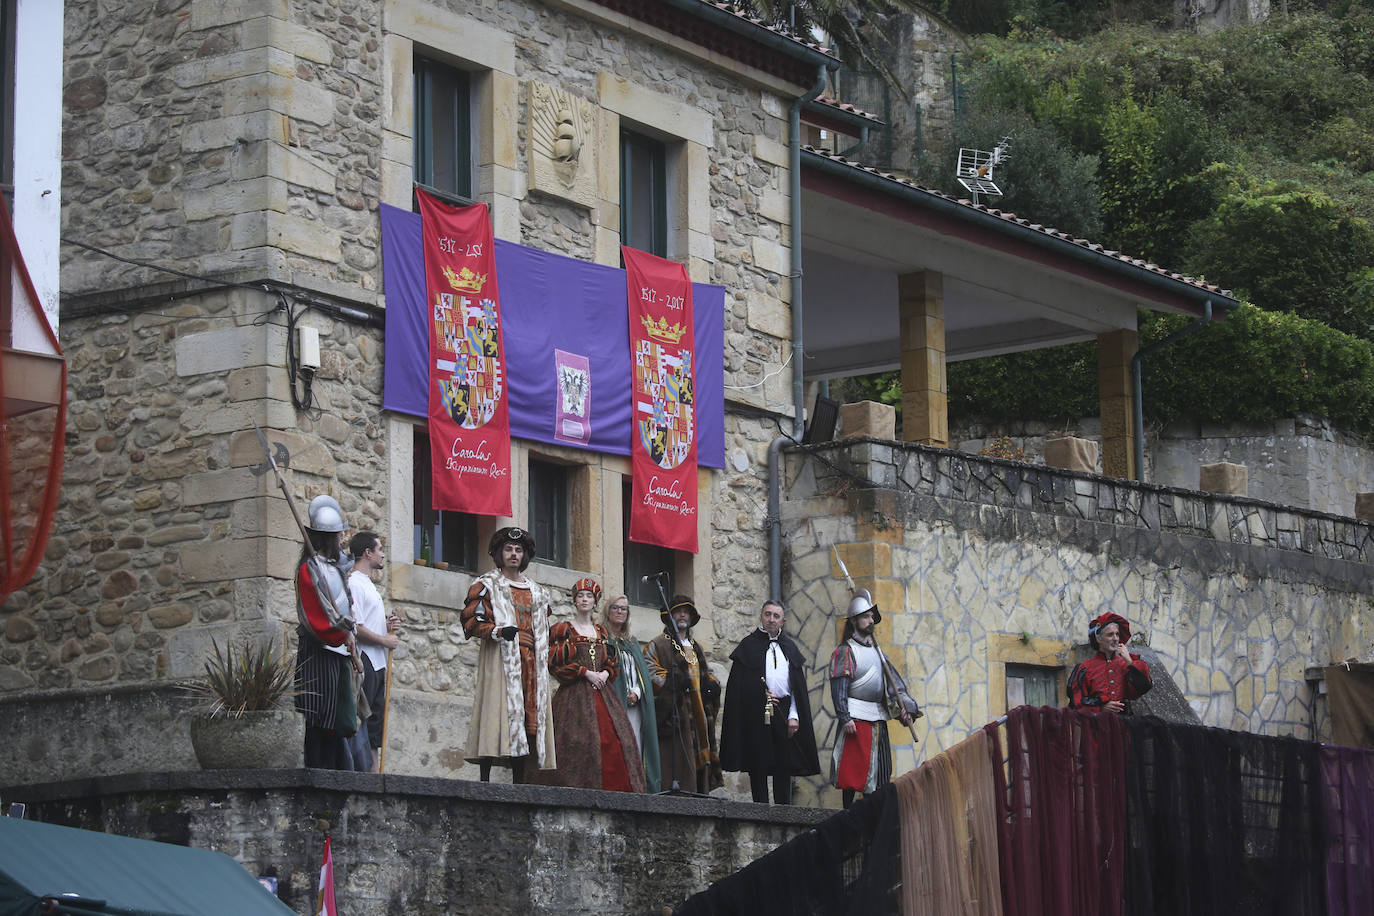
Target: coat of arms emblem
(664,412)
(469,359)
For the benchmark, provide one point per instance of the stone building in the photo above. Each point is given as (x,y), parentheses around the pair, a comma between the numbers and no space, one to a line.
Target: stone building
(249,146)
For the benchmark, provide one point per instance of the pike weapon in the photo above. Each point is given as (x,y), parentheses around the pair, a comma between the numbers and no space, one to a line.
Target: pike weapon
(844,569)
(321,592)
(286,491)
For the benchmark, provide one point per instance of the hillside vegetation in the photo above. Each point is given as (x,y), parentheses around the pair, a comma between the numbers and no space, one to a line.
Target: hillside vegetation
(1245,157)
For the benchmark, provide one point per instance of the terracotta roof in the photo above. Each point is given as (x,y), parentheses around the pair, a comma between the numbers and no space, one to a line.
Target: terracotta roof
(847,108)
(1013,219)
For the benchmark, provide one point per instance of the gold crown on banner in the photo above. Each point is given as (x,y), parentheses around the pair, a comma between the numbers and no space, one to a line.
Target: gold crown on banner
(465,280)
(662,331)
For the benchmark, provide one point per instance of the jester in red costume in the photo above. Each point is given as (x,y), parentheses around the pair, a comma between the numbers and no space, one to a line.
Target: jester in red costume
(1113,677)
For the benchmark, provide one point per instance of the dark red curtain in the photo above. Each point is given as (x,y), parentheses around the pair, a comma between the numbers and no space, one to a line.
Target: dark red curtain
(1062,824)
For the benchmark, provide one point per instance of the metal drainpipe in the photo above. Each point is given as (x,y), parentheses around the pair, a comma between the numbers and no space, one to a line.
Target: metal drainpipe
(774,517)
(798,384)
(1138,407)
(859,146)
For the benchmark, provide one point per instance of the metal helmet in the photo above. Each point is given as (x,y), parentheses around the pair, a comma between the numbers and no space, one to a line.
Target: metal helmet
(325,514)
(861,602)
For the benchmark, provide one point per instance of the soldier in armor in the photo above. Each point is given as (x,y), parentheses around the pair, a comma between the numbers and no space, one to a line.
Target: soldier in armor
(867,691)
(326,652)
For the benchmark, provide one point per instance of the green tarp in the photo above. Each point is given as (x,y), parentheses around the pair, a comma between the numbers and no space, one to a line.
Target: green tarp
(132,877)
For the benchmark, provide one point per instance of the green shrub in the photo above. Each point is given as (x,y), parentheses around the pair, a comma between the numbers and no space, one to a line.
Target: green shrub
(1252,366)
(1288,249)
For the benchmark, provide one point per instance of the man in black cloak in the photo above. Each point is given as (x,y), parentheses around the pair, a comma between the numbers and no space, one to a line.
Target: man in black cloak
(767,727)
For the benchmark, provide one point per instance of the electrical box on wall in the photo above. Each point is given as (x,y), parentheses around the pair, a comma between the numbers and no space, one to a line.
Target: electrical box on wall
(308,349)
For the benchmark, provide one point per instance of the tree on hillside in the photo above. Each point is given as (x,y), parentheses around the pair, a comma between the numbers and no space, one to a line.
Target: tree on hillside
(840,20)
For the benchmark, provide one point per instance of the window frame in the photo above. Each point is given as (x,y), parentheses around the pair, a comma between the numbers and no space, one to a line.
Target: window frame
(551,525)
(443,526)
(425,70)
(1045,677)
(632,142)
(639,560)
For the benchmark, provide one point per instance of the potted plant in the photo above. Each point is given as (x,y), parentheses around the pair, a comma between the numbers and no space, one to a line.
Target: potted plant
(242,722)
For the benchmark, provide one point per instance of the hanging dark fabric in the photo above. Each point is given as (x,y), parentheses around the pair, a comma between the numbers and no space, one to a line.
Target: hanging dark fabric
(1348,781)
(1222,822)
(845,866)
(1062,823)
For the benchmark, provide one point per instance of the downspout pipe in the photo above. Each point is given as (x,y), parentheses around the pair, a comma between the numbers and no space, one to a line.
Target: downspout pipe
(1137,405)
(775,517)
(798,382)
(859,146)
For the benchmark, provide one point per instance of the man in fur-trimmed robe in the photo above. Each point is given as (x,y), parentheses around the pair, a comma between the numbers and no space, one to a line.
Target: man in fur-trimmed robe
(511,720)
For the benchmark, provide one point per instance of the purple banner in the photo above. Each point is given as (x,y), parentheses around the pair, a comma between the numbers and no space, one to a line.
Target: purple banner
(548,303)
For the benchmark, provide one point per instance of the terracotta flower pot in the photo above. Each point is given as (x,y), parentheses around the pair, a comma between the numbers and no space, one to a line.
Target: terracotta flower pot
(263,739)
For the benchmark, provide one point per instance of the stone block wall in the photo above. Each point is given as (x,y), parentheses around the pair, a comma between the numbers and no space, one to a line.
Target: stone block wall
(253,141)
(978,563)
(433,846)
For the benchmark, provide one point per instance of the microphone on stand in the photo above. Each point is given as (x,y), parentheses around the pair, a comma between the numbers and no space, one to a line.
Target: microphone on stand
(653,577)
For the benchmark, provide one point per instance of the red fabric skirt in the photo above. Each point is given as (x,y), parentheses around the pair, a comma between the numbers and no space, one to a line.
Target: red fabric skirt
(856,758)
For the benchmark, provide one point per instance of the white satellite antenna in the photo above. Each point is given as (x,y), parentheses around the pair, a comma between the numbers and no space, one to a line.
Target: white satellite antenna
(976,166)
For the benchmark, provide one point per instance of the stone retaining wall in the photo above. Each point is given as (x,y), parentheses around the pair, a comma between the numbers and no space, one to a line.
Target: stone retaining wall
(978,563)
(1301,461)
(434,846)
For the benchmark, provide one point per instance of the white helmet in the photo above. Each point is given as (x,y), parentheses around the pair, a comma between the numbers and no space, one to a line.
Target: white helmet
(862,602)
(325,514)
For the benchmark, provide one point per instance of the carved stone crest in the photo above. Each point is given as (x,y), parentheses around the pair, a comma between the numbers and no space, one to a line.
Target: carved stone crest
(562,144)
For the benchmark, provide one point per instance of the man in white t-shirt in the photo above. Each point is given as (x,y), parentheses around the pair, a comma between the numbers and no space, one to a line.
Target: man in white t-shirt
(376,632)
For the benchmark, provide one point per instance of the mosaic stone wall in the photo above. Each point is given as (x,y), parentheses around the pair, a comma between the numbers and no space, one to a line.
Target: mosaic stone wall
(978,562)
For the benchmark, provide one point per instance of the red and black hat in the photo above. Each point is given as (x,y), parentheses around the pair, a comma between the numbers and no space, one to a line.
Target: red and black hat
(587,584)
(1123,627)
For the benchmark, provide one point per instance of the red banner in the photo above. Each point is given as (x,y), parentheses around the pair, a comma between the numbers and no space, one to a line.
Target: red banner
(663,452)
(469,413)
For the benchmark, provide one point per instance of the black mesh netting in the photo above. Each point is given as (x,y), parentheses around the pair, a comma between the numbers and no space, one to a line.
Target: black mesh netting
(849,864)
(1222,822)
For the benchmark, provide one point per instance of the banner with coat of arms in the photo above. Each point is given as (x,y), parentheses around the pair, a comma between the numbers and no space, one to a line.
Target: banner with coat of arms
(469,412)
(664,438)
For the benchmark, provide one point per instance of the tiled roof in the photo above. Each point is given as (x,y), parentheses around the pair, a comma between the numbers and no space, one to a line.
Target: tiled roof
(1012,218)
(847,108)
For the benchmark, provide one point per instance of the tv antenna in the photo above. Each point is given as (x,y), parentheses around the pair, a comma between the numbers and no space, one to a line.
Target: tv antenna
(975,168)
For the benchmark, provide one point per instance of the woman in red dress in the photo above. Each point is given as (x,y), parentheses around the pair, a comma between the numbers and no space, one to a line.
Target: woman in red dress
(595,744)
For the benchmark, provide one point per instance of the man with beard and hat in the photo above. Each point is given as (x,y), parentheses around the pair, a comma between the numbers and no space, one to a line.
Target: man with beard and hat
(766,728)
(686,700)
(867,691)
(511,722)
(1114,676)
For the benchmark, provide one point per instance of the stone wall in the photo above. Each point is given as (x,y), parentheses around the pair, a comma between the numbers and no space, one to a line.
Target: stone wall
(1303,461)
(922,50)
(979,563)
(253,141)
(432,846)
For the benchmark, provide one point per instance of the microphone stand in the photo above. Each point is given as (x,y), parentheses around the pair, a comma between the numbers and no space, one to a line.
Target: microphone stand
(676,717)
